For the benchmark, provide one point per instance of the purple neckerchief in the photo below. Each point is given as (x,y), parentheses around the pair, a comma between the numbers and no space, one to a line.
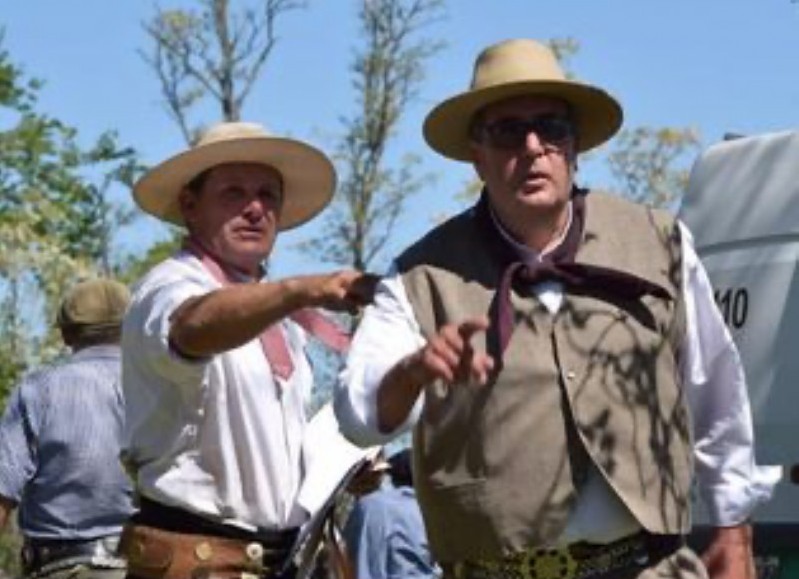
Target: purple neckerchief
(556,265)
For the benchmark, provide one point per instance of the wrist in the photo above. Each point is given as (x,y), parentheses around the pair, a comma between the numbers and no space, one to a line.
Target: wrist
(298,292)
(415,374)
(737,534)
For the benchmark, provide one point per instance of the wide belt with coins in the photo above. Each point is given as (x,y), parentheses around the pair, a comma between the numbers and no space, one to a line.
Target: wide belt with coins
(158,554)
(162,542)
(576,561)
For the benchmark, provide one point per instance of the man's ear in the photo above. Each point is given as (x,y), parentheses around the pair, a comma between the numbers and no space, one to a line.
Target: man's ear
(477,162)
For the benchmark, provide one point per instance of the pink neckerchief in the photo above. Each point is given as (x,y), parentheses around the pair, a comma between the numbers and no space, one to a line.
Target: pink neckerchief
(273,340)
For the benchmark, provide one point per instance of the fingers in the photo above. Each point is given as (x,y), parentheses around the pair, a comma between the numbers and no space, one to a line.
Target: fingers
(363,287)
(481,367)
(472,326)
(450,356)
(347,290)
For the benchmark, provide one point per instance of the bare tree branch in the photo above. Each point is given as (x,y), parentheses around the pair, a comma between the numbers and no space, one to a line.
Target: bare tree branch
(212,53)
(387,71)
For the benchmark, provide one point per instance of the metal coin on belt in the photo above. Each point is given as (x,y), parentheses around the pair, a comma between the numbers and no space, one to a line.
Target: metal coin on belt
(254,551)
(203,551)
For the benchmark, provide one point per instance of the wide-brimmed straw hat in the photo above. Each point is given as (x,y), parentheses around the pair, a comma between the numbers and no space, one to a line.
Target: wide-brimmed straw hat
(309,178)
(515,68)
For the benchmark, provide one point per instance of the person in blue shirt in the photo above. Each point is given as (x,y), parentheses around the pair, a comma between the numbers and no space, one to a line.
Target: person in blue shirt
(385,534)
(60,442)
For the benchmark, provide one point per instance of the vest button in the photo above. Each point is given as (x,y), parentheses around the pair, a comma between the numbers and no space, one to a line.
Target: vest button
(571,375)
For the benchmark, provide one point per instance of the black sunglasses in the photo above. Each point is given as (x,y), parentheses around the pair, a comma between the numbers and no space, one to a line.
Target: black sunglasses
(511,133)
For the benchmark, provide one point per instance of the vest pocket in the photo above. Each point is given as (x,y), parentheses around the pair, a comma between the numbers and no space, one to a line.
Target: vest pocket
(450,437)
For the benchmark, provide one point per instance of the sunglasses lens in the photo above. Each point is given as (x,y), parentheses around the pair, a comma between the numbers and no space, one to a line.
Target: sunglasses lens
(508,133)
(512,133)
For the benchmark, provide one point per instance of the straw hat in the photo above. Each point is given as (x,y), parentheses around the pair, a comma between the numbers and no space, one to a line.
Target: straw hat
(514,68)
(309,177)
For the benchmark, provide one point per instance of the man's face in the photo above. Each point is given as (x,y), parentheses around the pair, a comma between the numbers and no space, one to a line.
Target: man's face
(524,151)
(235,213)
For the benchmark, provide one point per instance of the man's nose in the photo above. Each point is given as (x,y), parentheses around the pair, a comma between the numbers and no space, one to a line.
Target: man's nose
(533,145)
(255,207)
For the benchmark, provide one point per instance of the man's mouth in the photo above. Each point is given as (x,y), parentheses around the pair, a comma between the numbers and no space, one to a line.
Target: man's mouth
(250,232)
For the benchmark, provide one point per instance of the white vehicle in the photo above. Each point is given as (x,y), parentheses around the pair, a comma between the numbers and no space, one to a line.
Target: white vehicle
(742,205)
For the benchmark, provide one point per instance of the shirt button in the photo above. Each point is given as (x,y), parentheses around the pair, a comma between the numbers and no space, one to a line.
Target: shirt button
(571,375)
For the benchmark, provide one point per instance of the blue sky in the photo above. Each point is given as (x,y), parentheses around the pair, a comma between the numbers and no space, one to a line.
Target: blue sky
(715,65)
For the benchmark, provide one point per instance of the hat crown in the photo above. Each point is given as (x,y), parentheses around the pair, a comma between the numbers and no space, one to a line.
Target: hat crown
(518,60)
(231,131)
(520,67)
(94,302)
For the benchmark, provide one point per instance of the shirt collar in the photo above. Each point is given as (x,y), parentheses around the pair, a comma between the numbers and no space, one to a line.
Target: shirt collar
(527,252)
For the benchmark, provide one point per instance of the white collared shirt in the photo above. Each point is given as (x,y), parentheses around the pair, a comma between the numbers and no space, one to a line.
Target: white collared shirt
(728,480)
(220,436)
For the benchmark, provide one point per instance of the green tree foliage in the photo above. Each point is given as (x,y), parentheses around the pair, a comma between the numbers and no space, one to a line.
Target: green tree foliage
(55,226)
(652,165)
(55,222)
(136,266)
(388,68)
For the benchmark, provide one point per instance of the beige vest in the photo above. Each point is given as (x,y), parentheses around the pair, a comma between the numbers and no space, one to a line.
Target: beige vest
(499,466)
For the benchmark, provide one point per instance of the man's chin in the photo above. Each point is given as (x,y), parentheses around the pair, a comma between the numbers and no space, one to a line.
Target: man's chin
(247,256)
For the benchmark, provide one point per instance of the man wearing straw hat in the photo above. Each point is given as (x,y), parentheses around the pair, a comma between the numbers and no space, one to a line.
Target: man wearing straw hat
(60,441)
(559,354)
(214,370)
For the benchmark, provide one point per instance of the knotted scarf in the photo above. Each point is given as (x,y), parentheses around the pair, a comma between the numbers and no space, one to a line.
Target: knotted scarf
(557,265)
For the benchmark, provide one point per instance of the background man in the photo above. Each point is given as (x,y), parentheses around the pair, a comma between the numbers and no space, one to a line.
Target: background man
(60,442)
(214,369)
(385,533)
(560,353)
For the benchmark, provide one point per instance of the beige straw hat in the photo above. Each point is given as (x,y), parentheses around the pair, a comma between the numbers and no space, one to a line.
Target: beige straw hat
(514,68)
(309,178)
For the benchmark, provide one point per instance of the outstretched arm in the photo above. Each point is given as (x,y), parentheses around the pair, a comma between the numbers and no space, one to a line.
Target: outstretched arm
(234,315)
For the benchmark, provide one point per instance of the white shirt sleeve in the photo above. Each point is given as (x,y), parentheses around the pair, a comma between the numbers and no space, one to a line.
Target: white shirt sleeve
(387,333)
(150,319)
(728,480)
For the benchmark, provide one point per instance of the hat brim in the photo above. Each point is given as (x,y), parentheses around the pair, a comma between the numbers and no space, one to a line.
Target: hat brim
(598,115)
(309,178)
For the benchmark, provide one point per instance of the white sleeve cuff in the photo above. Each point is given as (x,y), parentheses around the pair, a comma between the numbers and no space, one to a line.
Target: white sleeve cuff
(730,504)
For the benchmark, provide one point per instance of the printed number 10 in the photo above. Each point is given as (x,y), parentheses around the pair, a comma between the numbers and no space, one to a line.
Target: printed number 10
(734,305)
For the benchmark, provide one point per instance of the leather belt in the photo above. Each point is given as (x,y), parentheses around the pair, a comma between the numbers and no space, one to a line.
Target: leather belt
(164,542)
(154,514)
(157,554)
(576,561)
(40,556)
